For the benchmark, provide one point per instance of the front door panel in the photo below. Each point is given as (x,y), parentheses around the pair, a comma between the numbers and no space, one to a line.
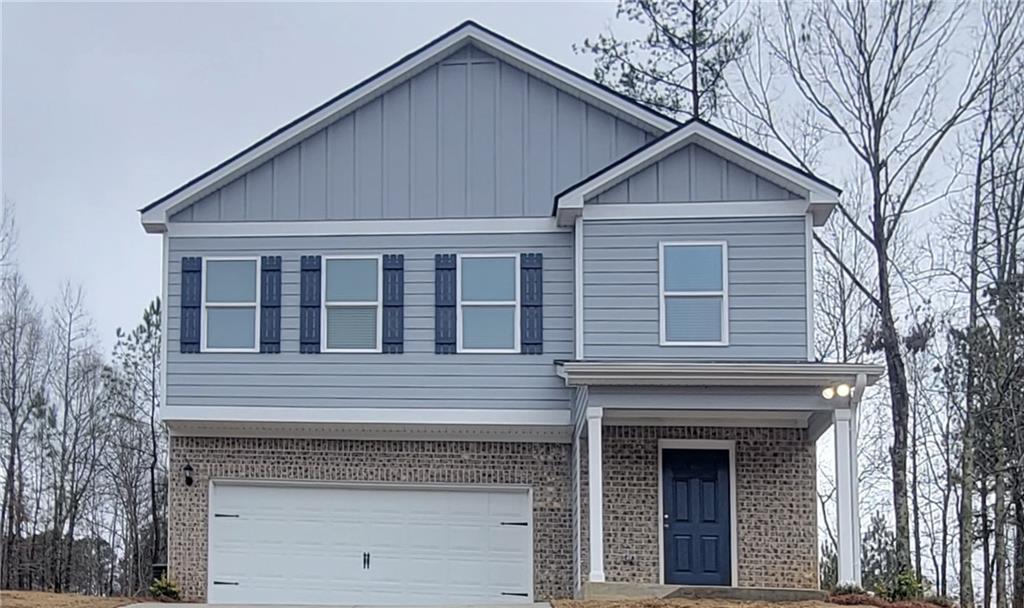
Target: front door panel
(696,517)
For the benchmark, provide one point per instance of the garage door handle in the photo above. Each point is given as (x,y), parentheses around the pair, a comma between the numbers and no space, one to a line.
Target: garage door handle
(225,582)
(366,561)
(515,523)
(516,594)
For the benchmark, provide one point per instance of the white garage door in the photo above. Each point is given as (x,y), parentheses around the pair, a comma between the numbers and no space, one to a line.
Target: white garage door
(369,545)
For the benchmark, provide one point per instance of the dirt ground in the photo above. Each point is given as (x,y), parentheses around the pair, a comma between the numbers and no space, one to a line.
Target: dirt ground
(685,603)
(39,599)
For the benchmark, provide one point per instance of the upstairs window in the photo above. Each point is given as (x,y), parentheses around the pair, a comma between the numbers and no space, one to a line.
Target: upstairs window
(352,304)
(230,306)
(488,310)
(693,285)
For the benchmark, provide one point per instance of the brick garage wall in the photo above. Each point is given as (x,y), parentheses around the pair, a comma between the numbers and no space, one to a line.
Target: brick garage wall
(542,466)
(775,502)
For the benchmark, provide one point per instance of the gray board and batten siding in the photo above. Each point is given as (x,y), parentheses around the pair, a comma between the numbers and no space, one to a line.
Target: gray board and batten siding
(693,174)
(415,378)
(471,136)
(767,287)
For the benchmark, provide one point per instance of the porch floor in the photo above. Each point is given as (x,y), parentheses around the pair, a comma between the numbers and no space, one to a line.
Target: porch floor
(626,591)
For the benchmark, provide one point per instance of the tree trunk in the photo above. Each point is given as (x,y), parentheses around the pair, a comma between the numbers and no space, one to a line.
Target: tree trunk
(897,373)
(694,59)
(153,464)
(1018,552)
(916,490)
(986,548)
(999,524)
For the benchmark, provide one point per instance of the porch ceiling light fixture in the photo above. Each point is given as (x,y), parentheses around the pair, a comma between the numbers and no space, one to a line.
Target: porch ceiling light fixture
(842,390)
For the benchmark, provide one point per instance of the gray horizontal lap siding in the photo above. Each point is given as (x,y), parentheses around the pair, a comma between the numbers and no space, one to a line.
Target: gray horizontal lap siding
(415,378)
(767,287)
(693,174)
(469,137)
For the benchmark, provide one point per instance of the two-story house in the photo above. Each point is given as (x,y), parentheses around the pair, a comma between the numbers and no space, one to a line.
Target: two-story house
(481,330)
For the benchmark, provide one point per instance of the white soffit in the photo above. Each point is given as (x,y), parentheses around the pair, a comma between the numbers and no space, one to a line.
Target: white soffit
(677,373)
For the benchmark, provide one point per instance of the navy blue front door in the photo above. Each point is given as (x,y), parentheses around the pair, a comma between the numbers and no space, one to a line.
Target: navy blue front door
(695,490)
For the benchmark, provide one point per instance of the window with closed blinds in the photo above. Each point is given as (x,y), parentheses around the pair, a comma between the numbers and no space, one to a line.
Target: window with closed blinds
(693,286)
(352,304)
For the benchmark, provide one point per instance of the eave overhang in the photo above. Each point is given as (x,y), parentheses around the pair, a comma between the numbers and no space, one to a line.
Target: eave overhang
(680,373)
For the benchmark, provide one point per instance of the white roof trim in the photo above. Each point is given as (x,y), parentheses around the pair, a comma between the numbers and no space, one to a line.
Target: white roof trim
(676,373)
(569,204)
(733,209)
(154,217)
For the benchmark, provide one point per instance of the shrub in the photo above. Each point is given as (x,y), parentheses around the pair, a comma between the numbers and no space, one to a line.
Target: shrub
(906,586)
(940,601)
(164,588)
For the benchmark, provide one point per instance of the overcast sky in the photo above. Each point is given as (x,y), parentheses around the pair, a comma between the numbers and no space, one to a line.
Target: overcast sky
(107,107)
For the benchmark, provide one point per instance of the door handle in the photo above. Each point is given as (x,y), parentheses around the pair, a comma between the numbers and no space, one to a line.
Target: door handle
(366,560)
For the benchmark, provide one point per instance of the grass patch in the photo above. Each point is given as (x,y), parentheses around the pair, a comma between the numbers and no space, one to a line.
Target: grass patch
(42,599)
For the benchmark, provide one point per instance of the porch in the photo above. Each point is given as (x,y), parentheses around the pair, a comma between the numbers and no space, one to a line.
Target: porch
(704,474)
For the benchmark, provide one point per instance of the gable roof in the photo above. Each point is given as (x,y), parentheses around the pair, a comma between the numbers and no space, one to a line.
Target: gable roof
(155,214)
(820,194)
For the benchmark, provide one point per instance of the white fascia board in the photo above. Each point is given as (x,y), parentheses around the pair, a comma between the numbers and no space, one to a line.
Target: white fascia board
(650,373)
(726,210)
(154,219)
(366,227)
(570,203)
(349,415)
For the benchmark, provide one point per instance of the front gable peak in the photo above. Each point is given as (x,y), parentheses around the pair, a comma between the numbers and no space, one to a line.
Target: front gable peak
(470,43)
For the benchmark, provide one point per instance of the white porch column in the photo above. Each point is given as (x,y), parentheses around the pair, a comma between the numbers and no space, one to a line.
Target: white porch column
(847,509)
(596,492)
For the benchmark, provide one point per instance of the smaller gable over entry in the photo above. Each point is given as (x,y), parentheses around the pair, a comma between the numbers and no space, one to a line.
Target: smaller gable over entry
(693,174)
(700,163)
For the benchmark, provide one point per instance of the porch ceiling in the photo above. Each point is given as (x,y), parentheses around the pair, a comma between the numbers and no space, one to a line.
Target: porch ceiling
(686,373)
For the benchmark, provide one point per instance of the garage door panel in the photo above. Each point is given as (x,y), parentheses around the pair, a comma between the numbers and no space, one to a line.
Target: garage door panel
(305,544)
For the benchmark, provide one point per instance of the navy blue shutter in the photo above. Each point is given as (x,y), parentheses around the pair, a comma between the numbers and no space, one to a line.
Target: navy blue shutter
(270,304)
(444,303)
(309,305)
(531,309)
(191,304)
(394,303)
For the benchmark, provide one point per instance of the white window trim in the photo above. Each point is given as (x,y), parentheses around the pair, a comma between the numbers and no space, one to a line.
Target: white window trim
(324,304)
(723,293)
(255,304)
(459,304)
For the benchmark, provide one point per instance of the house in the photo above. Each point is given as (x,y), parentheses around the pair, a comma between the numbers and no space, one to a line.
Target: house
(481,330)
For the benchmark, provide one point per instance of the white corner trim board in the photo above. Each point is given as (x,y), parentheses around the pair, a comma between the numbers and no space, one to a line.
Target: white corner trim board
(809,282)
(577,266)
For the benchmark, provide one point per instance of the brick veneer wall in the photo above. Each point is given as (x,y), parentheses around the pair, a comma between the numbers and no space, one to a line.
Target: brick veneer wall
(543,466)
(775,503)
